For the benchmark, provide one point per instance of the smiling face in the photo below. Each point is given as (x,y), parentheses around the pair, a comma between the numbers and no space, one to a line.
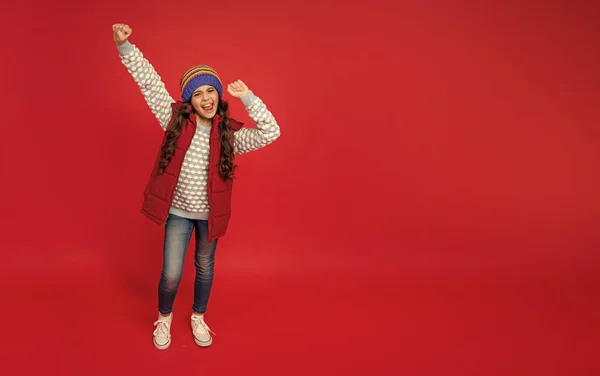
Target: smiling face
(205,101)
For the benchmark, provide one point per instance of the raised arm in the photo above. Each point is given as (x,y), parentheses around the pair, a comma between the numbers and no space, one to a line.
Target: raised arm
(153,89)
(266,131)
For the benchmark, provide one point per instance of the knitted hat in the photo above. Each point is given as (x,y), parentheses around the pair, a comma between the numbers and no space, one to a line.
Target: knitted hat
(197,76)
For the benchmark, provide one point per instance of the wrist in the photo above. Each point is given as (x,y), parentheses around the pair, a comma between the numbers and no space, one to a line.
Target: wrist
(248,98)
(124,48)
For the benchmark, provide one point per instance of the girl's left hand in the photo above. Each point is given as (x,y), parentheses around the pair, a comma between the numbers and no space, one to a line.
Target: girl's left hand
(237,89)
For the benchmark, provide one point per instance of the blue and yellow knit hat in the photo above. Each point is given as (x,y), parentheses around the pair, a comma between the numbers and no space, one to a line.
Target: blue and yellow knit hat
(197,76)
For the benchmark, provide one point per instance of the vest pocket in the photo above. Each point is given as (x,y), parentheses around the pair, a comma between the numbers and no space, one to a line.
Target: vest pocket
(162,185)
(220,185)
(219,224)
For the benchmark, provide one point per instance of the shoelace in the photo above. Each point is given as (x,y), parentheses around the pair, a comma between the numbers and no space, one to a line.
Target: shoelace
(200,320)
(161,327)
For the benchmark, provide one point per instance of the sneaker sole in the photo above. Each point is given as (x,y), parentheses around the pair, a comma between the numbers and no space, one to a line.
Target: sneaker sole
(162,347)
(203,344)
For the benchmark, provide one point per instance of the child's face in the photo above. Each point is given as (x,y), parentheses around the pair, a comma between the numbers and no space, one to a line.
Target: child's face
(205,101)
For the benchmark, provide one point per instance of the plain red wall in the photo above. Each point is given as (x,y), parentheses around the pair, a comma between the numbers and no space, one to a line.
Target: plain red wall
(415,134)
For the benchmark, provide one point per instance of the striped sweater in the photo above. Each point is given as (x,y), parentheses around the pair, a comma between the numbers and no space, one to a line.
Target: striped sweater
(190,198)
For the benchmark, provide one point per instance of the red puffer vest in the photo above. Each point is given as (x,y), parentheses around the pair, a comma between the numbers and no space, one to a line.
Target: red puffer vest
(160,189)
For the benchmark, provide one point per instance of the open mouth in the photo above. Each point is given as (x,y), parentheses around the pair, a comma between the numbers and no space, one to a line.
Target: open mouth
(208,107)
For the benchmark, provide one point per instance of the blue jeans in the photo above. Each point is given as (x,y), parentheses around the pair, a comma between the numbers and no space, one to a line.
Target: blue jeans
(178,232)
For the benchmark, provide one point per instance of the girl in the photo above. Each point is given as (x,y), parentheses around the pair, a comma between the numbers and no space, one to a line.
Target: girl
(190,186)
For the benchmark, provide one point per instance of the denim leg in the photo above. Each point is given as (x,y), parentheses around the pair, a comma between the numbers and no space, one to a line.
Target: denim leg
(204,261)
(178,232)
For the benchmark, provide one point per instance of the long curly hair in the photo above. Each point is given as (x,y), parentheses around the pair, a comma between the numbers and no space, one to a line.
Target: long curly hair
(226,164)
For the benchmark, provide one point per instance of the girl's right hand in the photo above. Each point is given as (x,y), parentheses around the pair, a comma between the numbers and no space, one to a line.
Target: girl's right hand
(120,33)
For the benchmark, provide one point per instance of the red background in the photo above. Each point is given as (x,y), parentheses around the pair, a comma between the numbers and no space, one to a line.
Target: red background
(422,144)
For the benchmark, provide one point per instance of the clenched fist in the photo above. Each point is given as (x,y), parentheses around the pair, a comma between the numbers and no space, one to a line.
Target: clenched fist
(237,89)
(120,33)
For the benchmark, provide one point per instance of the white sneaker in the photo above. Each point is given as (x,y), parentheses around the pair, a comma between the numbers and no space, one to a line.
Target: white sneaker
(162,333)
(201,331)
